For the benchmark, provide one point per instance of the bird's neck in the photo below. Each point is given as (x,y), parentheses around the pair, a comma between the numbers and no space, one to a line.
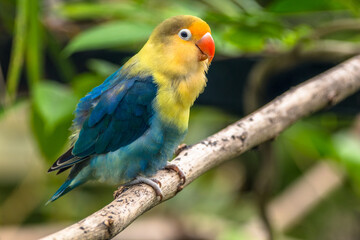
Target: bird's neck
(176,91)
(176,96)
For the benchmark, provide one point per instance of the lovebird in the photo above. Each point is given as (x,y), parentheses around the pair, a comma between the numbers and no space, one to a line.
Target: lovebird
(127,128)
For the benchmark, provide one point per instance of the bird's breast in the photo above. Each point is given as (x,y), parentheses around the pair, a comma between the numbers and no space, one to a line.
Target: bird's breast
(175,97)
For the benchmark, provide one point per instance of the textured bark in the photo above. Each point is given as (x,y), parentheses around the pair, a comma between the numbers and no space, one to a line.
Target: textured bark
(265,124)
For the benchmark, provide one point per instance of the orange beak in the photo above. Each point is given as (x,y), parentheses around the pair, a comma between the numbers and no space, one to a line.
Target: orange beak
(207,47)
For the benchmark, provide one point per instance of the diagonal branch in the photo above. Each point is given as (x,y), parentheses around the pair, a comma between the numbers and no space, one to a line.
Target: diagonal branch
(265,124)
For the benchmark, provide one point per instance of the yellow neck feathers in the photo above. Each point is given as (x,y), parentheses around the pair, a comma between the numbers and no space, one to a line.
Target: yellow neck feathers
(175,97)
(179,80)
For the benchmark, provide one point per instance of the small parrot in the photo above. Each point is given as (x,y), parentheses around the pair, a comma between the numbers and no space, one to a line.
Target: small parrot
(128,127)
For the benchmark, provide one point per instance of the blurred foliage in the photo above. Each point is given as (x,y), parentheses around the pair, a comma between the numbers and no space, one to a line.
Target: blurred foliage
(108,35)
(347,145)
(238,27)
(53,105)
(48,35)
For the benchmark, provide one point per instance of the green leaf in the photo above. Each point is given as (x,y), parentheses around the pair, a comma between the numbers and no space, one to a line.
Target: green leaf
(109,35)
(50,143)
(309,139)
(18,48)
(102,67)
(173,8)
(286,6)
(51,117)
(290,38)
(86,10)
(84,82)
(53,102)
(226,7)
(347,146)
(34,56)
(353,5)
(224,46)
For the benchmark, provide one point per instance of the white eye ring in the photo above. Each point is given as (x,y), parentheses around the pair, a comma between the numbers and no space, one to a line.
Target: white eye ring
(185,34)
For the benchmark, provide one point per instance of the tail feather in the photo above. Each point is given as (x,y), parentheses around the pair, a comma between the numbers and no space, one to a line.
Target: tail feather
(66,161)
(66,187)
(79,174)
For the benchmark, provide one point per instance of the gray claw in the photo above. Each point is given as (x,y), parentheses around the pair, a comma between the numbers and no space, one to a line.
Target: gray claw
(154,183)
(180,173)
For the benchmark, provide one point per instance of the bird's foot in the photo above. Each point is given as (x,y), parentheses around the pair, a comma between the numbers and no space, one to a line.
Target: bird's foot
(180,173)
(180,148)
(154,183)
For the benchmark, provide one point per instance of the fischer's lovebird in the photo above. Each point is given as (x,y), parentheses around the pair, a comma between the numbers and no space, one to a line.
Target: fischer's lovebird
(128,127)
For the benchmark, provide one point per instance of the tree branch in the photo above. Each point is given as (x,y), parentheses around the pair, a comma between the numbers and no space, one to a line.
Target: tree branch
(265,124)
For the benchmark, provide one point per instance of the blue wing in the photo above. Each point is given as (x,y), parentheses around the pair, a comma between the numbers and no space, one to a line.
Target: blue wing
(111,116)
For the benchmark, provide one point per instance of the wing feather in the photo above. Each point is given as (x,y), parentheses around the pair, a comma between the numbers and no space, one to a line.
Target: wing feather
(111,116)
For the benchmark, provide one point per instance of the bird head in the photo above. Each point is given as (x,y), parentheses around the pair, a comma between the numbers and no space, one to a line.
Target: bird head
(180,45)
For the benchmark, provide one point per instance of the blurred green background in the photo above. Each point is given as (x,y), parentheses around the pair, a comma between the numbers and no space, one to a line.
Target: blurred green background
(303,185)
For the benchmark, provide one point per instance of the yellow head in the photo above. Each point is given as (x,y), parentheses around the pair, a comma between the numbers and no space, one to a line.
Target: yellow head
(179,46)
(177,55)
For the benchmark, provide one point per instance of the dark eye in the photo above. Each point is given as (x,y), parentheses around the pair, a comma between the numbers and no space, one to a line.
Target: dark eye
(185,34)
